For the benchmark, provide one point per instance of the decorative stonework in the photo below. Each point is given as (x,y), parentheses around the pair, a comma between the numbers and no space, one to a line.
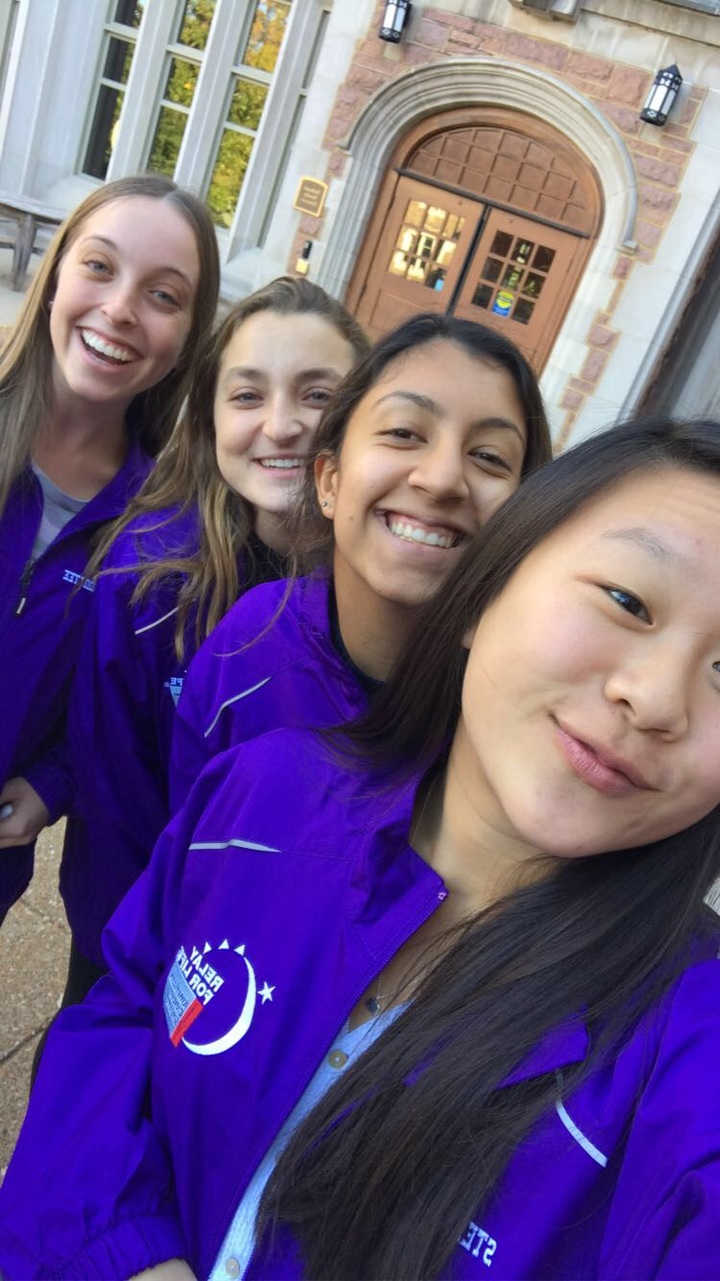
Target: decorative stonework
(449,60)
(426,90)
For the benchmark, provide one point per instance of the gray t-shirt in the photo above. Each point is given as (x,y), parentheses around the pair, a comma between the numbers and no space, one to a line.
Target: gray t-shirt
(58,509)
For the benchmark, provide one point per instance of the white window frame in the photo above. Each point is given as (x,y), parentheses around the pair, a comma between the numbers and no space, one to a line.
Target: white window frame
(208,113)
(111,31)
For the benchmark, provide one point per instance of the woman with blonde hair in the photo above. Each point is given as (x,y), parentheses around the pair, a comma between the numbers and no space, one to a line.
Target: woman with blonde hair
(91,383)
(207,526)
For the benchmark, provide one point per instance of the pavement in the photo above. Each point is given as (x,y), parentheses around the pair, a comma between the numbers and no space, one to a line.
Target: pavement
(34,948)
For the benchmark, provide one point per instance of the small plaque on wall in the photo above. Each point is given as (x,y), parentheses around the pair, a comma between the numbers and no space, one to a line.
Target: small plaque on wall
(310,196)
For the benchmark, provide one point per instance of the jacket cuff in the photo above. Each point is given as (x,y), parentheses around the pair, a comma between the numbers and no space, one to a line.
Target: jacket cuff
(127,1248)
(50,778)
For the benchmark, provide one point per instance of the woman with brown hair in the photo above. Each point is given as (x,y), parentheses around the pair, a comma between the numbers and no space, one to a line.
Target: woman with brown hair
(91,383)
(207,526)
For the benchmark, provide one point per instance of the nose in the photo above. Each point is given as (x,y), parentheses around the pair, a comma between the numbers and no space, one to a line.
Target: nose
(120,305)
(654,688)
(282,423)
(440,472)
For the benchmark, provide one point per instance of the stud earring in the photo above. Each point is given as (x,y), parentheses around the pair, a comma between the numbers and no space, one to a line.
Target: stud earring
(325,503)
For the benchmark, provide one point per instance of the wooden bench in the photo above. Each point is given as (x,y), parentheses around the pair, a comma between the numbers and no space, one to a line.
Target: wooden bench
(30,215)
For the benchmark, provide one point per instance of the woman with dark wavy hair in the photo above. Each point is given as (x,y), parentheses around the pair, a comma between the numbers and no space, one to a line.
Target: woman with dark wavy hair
(420,444)
(439,995)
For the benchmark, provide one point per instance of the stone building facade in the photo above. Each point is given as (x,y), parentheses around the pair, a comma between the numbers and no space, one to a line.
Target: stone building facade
(493,163)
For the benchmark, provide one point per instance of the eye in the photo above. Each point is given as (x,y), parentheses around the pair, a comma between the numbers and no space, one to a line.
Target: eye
(318,395)
(629,603)
(489,458)
(167,299)
(96,266)
(246,399)
(402,434)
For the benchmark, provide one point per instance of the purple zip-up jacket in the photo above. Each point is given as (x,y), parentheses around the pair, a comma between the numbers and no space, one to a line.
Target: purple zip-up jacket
(272,901)
(41,624)
(269,664)
(120,723)
(121,711)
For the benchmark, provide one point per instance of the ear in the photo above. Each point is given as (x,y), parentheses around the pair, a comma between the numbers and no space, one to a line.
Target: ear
(326,483)
(469,636)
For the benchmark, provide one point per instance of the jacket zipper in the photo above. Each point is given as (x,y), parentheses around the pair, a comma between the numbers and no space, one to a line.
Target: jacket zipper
(24,585)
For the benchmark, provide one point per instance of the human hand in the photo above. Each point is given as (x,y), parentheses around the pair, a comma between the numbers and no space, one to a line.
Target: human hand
(28,817)
(171,1270)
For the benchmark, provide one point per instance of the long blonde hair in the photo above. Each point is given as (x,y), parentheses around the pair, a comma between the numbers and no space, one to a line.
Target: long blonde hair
(187,473)
(26,360)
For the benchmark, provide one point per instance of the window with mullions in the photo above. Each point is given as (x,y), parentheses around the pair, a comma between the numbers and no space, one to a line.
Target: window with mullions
(252,76)
(118,49)
(183,68)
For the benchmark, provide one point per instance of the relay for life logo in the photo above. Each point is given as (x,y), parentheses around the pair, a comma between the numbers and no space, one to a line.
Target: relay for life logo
(214,992)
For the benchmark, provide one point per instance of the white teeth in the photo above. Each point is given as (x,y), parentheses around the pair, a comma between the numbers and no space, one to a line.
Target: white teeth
(284,463)
(105,348)
(413,534)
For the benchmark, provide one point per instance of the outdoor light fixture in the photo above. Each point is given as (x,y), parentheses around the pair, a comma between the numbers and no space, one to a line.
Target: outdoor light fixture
(662,95)
(394,20)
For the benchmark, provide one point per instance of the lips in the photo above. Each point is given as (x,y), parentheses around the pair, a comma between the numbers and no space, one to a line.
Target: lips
(600,766)
(414,530)
(117,353)
(280,462)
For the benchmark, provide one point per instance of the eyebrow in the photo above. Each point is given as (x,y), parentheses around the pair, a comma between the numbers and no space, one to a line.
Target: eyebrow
(640,537)
(431,406)
(105,240)
(246,371)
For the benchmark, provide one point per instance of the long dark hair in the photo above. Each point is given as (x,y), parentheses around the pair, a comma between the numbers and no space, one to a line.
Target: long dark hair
(384,1175)
(312,535)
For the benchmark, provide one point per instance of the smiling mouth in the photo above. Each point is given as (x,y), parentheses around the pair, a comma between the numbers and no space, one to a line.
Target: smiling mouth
(107,351)
(411,531)
(607,775)
(280,464)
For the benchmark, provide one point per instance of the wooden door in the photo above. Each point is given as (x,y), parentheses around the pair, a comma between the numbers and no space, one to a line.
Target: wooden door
(519,279)
(417,263)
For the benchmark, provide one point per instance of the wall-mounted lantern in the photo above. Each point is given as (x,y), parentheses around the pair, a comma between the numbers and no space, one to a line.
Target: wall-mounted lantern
(302,263)
(394,20)
(662,95)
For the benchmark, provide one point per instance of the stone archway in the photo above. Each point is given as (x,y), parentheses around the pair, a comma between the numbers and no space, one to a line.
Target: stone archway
(454,83)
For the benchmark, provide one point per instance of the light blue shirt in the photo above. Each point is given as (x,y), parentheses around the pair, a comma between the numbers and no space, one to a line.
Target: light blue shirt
(236,1250)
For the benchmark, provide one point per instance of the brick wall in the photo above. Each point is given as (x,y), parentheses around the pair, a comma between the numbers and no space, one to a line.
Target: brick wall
(660,155)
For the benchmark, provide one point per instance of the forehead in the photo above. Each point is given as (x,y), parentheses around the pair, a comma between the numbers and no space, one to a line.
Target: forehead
(670,514)
(150,229)
(271,341)
(457,381)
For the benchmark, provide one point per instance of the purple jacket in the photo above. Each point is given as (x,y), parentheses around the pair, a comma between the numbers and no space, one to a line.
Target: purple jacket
(41,625)
(291,677)
(272,901)
(120,725)
(121,712)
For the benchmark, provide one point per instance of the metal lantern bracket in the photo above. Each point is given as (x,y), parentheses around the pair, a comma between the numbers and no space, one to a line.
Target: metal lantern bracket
(661,98)
(395,19)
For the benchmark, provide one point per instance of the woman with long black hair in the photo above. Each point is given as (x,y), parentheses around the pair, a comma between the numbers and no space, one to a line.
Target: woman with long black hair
(441,995)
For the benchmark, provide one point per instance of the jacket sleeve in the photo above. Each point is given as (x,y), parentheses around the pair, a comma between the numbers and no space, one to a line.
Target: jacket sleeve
(118,755)
(191,749)
(665,1218)
(50,776)
(89,1191)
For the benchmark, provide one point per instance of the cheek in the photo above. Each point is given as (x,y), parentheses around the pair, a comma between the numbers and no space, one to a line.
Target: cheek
(233,438)
(488,493)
